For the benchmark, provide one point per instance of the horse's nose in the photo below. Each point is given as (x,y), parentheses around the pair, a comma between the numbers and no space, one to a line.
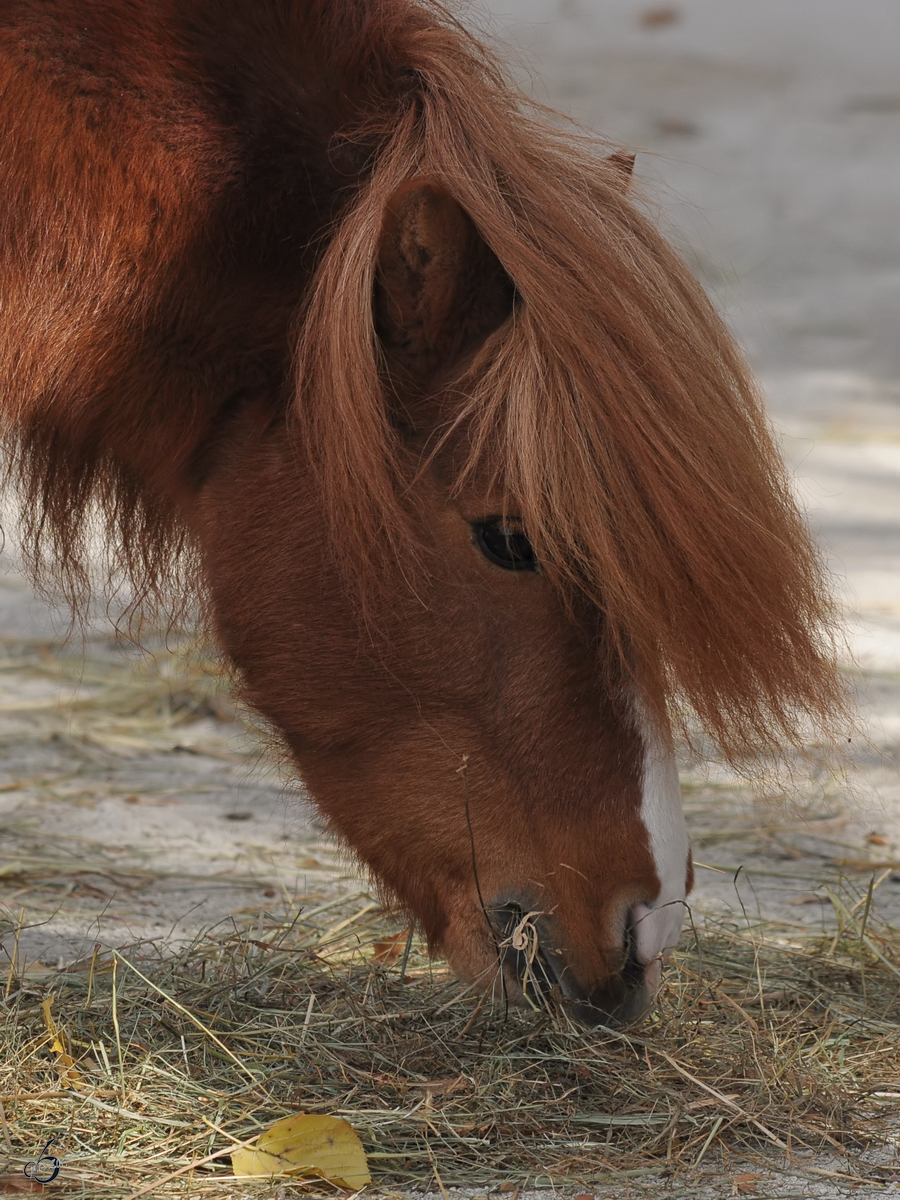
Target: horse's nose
(534,961)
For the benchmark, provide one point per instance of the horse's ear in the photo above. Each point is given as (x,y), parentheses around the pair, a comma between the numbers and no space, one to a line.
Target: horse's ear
(439,289)
(623,164)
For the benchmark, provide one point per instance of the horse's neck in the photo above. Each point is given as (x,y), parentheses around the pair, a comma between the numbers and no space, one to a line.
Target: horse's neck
(155,224)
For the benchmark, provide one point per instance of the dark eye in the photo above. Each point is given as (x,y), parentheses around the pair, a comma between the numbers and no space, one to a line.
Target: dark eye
(505,544)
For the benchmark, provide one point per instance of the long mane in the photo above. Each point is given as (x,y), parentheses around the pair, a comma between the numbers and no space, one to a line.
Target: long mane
(615,405)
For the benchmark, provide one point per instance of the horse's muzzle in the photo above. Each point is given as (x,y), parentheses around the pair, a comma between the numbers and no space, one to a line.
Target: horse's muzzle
(536,969)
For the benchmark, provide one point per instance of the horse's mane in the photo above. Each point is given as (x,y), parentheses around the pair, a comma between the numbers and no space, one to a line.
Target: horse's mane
(614,405)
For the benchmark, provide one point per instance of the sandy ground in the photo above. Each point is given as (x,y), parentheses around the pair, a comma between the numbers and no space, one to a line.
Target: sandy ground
(120,827)
(770,133)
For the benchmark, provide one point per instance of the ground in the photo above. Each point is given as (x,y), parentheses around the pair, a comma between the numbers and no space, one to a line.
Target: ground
(769,133)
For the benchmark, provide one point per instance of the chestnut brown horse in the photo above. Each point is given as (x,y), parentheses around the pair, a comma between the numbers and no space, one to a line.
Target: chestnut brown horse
(304,295)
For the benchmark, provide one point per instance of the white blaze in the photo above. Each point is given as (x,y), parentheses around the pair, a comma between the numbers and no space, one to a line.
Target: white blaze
(657,926)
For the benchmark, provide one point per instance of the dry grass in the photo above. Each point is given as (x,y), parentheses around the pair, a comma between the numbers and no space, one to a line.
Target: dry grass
(757,1045)
(106,691)
(761,1044)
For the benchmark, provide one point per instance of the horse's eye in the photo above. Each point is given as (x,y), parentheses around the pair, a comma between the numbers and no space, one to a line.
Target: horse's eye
(505,544)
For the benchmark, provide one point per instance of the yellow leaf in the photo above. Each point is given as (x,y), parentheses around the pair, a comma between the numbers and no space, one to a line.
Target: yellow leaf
(65,1064)
(306,1144)
(48,1020)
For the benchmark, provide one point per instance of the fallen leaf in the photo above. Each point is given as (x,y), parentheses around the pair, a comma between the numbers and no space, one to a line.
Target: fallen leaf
(745,1185)
(65,1064)
(307,1144)
(36,970)
(389,949)
(18,1185)
(652,18)
(875,839)
(677,127)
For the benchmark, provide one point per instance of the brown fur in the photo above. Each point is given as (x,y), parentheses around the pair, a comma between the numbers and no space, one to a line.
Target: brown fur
(304,288)
(615,406)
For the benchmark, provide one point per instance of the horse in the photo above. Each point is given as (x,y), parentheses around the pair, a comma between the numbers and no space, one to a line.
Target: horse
(308,309)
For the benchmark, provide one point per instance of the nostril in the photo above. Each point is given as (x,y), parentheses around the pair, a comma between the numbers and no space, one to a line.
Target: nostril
(521,951)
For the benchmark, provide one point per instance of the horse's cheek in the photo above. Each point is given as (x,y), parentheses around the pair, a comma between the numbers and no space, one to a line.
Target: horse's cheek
(277,601)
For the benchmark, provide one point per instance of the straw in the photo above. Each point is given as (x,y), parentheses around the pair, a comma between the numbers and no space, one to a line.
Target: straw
(768,1039)
(758,1042)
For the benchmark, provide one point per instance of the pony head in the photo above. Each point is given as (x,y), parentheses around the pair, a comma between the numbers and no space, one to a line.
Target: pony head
(528,499)
(480,486)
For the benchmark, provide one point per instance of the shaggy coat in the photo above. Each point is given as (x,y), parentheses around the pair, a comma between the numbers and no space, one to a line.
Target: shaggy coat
(302,293)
